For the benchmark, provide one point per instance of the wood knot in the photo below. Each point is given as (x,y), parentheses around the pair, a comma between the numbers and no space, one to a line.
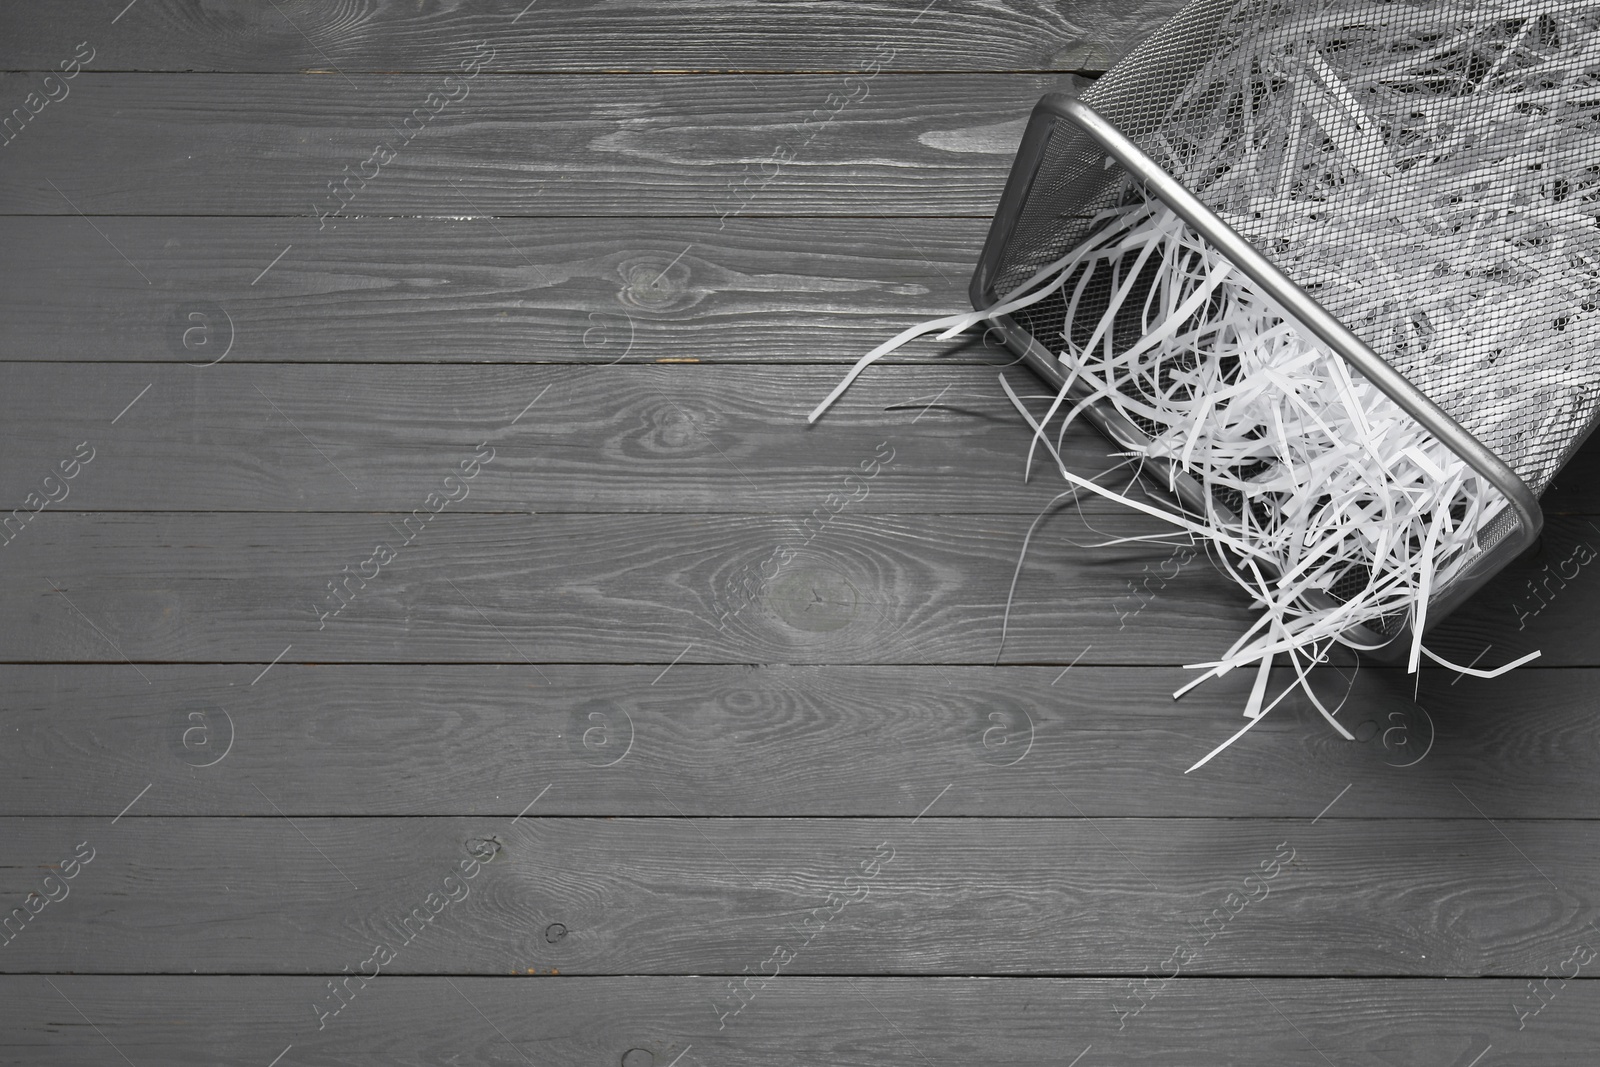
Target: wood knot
(656,283)
(814,599)
(673,427)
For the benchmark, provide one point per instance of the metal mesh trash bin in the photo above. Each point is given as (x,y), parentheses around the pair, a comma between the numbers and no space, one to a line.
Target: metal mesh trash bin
(1290,135)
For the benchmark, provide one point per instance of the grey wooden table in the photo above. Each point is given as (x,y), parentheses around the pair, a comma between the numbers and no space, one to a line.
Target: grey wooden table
(432,635)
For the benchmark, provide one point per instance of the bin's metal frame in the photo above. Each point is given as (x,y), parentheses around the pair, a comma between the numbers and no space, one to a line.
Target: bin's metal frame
(1057,108)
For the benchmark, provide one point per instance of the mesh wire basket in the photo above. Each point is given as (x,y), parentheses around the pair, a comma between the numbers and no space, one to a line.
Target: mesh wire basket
(1238,114)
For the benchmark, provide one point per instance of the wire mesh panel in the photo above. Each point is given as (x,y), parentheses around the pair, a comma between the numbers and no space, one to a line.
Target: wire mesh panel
(1428,173)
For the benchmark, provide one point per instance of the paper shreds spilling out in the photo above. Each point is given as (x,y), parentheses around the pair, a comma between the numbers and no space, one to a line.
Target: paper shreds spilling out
(1430,174)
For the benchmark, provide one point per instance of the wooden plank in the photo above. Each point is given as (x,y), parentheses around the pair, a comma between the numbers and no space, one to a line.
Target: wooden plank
(1058,896)
(1044,1022)
(559,35)
(380,290)
(661,145)
(709,588)
(583,588)
(624,438)
(783,741)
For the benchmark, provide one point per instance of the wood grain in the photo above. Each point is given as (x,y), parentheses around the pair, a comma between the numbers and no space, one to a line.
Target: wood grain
(585,588)
(784,741)
(589,145)
(650,588)
(1062,896)
(383,290)
(726,439)
(1035,1022)
(563,35)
